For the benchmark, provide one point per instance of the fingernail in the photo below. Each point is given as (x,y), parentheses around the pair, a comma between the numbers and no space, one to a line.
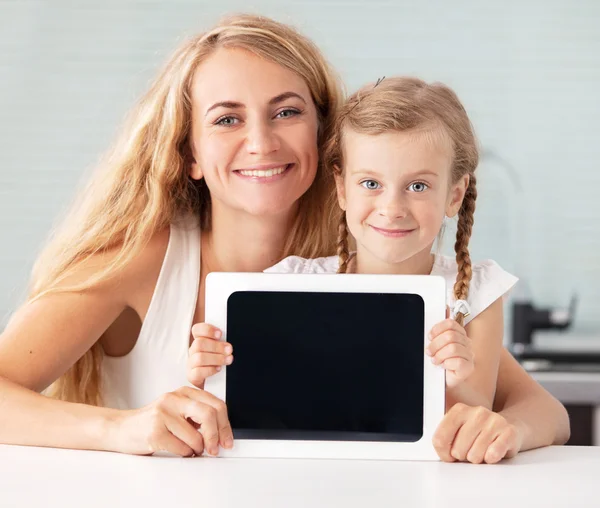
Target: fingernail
(428,352)
(229,443)
(217,334)
(228,350)
(433,360)
(228,360)
(218,369)
(214,452)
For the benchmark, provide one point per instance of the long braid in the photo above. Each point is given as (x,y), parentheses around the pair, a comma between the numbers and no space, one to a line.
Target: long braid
(463,235)
(342,244)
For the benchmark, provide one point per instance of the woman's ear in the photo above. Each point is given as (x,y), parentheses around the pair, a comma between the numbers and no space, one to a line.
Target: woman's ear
(339,185)
(190,158)
(456,195)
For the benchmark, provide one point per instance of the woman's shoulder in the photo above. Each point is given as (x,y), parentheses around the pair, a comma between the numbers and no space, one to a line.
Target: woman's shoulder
(297,264)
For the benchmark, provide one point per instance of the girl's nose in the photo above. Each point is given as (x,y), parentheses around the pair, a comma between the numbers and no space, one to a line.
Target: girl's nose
(393,208)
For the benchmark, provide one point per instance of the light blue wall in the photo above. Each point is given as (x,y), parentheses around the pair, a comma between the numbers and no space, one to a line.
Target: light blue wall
(528,73)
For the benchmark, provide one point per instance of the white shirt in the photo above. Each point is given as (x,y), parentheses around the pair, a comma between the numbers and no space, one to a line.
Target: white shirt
(488,283)
(158,361)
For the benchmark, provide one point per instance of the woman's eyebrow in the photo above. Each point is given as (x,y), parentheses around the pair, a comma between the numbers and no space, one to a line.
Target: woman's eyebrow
(284,96)
(238,105)
(224,104)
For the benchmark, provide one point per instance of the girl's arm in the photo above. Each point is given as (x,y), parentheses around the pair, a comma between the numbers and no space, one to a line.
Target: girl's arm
(483,340)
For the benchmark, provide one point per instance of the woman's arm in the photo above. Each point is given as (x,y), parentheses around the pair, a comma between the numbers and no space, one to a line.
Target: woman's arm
(526,417)
(542,419)
(42,340)
(46,337)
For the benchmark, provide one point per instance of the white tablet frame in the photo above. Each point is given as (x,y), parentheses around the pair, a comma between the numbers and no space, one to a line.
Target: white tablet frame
(220,285)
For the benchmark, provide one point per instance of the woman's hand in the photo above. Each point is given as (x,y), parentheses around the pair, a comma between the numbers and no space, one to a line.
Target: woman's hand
(451,347)
(207,354)
(476,435)
(185,422)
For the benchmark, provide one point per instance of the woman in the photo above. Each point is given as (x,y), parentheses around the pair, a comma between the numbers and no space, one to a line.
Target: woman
(228,136)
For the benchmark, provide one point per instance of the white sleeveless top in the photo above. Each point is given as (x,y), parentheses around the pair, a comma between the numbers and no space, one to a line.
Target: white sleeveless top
(157,363)
(488,283)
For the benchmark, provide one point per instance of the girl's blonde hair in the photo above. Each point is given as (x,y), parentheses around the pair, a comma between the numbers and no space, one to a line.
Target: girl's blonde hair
(144,185)
(409,104)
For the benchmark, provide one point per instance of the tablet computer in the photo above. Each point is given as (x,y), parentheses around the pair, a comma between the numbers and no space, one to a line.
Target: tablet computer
(329,365)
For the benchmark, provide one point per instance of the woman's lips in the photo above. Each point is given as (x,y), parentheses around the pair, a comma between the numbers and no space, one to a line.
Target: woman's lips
(265,173)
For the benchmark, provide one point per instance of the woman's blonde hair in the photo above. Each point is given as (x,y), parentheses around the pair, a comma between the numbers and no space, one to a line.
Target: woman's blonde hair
(144,184)
(409,104)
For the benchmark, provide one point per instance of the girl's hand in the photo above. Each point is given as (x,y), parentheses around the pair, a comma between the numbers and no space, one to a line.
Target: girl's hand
(476,435)
(451,347)
(206,354)
(184,422)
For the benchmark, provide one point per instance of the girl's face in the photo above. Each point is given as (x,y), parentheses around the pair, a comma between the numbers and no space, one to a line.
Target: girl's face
(396,189)
(254,133)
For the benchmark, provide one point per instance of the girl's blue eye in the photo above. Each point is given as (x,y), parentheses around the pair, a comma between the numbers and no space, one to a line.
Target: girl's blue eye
(418,187)
(286,113)
(370,184)
(226,121)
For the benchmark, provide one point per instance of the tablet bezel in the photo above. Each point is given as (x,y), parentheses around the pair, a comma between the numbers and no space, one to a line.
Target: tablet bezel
(220,285)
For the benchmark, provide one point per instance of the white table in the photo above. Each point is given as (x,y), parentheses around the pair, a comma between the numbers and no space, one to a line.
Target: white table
(40,477)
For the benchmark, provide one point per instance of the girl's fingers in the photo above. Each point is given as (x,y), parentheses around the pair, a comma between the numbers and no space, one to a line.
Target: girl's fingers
(206,330)
(460,368)
(446,338)
(208,345)
(454,350)
(446,326)
(198,375)
(208,360)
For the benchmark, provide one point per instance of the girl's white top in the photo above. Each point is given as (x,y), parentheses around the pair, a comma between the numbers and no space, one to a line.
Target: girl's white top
(489,281)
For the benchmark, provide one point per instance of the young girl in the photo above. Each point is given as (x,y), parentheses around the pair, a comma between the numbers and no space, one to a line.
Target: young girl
(403,155)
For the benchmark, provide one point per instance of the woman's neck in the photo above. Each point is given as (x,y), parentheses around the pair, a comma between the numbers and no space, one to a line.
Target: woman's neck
(419,264)
(238,242)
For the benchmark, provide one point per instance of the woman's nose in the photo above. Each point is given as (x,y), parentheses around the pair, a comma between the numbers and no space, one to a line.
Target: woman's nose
(262,139)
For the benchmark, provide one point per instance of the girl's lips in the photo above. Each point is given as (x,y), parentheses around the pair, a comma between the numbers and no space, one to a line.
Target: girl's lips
(265,173)
(393,233)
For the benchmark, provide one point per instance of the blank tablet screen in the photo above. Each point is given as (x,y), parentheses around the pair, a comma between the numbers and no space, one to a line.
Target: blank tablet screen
(325,366)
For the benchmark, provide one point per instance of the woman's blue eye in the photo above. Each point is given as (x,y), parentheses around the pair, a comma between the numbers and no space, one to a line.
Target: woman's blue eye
(286,113)
(226,121)
(418,187)
(370,184)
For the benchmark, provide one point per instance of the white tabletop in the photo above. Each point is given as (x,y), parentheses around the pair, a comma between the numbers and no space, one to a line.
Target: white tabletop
(549,477)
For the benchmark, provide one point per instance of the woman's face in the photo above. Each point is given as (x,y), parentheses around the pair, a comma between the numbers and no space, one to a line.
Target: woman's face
(254,133)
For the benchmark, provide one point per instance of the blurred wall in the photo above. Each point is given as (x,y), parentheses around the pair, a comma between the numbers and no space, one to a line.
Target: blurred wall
(528,73)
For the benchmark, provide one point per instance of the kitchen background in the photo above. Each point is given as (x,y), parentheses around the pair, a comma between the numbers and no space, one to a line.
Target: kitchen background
(528,72)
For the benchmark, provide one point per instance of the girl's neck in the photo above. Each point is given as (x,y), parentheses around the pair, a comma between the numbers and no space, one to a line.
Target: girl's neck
(239,242)
(419,264)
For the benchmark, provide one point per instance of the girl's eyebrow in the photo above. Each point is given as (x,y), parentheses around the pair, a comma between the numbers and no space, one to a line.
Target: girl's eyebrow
(371,172)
